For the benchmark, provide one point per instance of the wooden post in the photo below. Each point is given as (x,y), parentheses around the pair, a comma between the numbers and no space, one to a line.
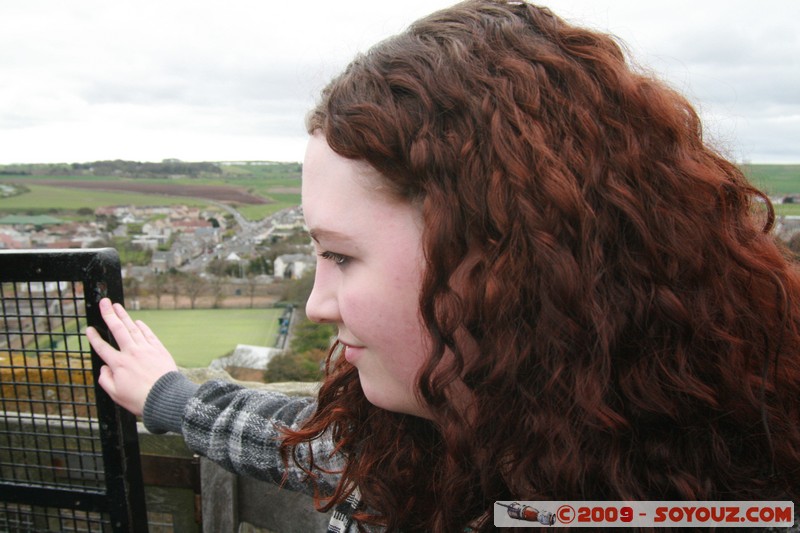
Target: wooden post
(220,494)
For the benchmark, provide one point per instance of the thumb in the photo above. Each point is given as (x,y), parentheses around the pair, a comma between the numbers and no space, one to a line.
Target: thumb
(106,380)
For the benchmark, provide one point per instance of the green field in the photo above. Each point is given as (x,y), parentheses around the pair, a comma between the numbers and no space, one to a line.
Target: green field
(281,201)
(277,182)
(283,193)
(774,179)
(787,209)
(45,198)
(196,337)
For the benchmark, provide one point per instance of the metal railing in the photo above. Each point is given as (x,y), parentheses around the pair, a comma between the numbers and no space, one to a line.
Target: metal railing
(69,457)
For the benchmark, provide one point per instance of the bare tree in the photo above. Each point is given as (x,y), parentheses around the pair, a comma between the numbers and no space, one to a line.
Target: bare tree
(195,285)
(217,291)
(174,287)
(158,282)
(132,288)
(252,284)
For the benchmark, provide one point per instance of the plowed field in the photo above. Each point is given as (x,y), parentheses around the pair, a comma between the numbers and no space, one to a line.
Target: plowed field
(219,193)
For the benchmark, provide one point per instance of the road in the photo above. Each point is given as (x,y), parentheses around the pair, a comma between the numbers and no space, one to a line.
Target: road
(242,244)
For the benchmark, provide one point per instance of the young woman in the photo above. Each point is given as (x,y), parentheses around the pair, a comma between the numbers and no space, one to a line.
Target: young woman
(546,287)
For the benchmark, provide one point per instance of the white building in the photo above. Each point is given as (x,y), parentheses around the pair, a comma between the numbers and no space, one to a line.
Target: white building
(292,266)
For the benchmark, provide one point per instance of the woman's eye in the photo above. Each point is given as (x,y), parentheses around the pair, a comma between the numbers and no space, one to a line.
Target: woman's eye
(339,259)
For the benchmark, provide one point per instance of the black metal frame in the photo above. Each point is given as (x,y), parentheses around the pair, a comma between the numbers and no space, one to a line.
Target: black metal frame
(61,477)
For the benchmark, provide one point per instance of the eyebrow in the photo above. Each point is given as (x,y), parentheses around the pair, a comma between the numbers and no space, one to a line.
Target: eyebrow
(321,233)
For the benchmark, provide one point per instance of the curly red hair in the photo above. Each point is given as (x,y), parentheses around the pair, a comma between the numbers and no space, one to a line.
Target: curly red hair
(638,328)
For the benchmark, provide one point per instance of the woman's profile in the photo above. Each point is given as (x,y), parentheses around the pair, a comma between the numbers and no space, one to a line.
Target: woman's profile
(546,286)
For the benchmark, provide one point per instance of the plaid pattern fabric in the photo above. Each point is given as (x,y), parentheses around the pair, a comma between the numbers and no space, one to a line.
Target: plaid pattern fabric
(342,517)
(239,428)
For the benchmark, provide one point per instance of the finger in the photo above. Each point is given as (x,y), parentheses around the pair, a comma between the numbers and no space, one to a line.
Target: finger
(106,352)
(149,335)
(106,380)
(126,319)
(121,333)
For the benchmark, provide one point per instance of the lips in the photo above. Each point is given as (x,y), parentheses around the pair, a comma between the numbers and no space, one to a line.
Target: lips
(349,344)
(351,351)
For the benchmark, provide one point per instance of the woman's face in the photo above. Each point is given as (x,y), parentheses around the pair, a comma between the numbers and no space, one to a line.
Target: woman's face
(369,272)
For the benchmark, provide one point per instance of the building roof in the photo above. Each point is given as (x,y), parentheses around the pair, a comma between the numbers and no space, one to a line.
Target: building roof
(35,220)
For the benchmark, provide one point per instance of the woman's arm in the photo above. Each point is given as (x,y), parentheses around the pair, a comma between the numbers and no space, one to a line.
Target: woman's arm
(240,429)
(237,427)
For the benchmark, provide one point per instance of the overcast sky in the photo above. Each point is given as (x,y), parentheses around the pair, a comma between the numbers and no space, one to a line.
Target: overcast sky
(199,80)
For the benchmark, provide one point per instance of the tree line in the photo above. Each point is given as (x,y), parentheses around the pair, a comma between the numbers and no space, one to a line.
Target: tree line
(117,167)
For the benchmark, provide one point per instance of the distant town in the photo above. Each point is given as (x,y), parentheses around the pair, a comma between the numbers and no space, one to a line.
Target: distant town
(217,239)
(233,242)
(200,255)
(173,237)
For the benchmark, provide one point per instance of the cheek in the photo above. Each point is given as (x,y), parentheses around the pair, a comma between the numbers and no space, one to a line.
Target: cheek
(385,316)
(382,319)
(406,341)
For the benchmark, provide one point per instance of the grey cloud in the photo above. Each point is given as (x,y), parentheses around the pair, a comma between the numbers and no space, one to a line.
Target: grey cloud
(196,84)
(221,70)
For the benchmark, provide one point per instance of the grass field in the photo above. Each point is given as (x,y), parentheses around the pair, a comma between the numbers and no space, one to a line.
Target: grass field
(282,201)
(196,337)
(43,198)
(774,179)
(787,209)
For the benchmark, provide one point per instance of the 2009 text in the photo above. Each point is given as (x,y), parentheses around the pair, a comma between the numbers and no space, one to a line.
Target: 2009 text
(646,513)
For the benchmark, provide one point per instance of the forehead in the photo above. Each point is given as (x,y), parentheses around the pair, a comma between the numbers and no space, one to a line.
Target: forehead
(348,199)
(331,183)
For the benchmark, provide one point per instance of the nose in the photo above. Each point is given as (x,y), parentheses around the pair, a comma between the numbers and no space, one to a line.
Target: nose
(322,305)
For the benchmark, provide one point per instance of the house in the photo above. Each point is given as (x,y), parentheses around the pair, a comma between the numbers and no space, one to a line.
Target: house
(787,226)
(292,266)
(8,243)
(209,235)
(148,243)
(11,239)
(163,261)
(286,223)
(189,225)
(157,229)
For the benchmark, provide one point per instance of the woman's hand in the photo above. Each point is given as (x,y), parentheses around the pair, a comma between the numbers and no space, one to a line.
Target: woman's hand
(131,371)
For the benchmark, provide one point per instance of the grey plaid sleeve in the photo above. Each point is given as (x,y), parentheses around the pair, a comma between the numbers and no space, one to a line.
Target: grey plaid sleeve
(239,428)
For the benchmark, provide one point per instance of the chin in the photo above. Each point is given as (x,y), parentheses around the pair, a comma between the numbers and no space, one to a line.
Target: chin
(407,406)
